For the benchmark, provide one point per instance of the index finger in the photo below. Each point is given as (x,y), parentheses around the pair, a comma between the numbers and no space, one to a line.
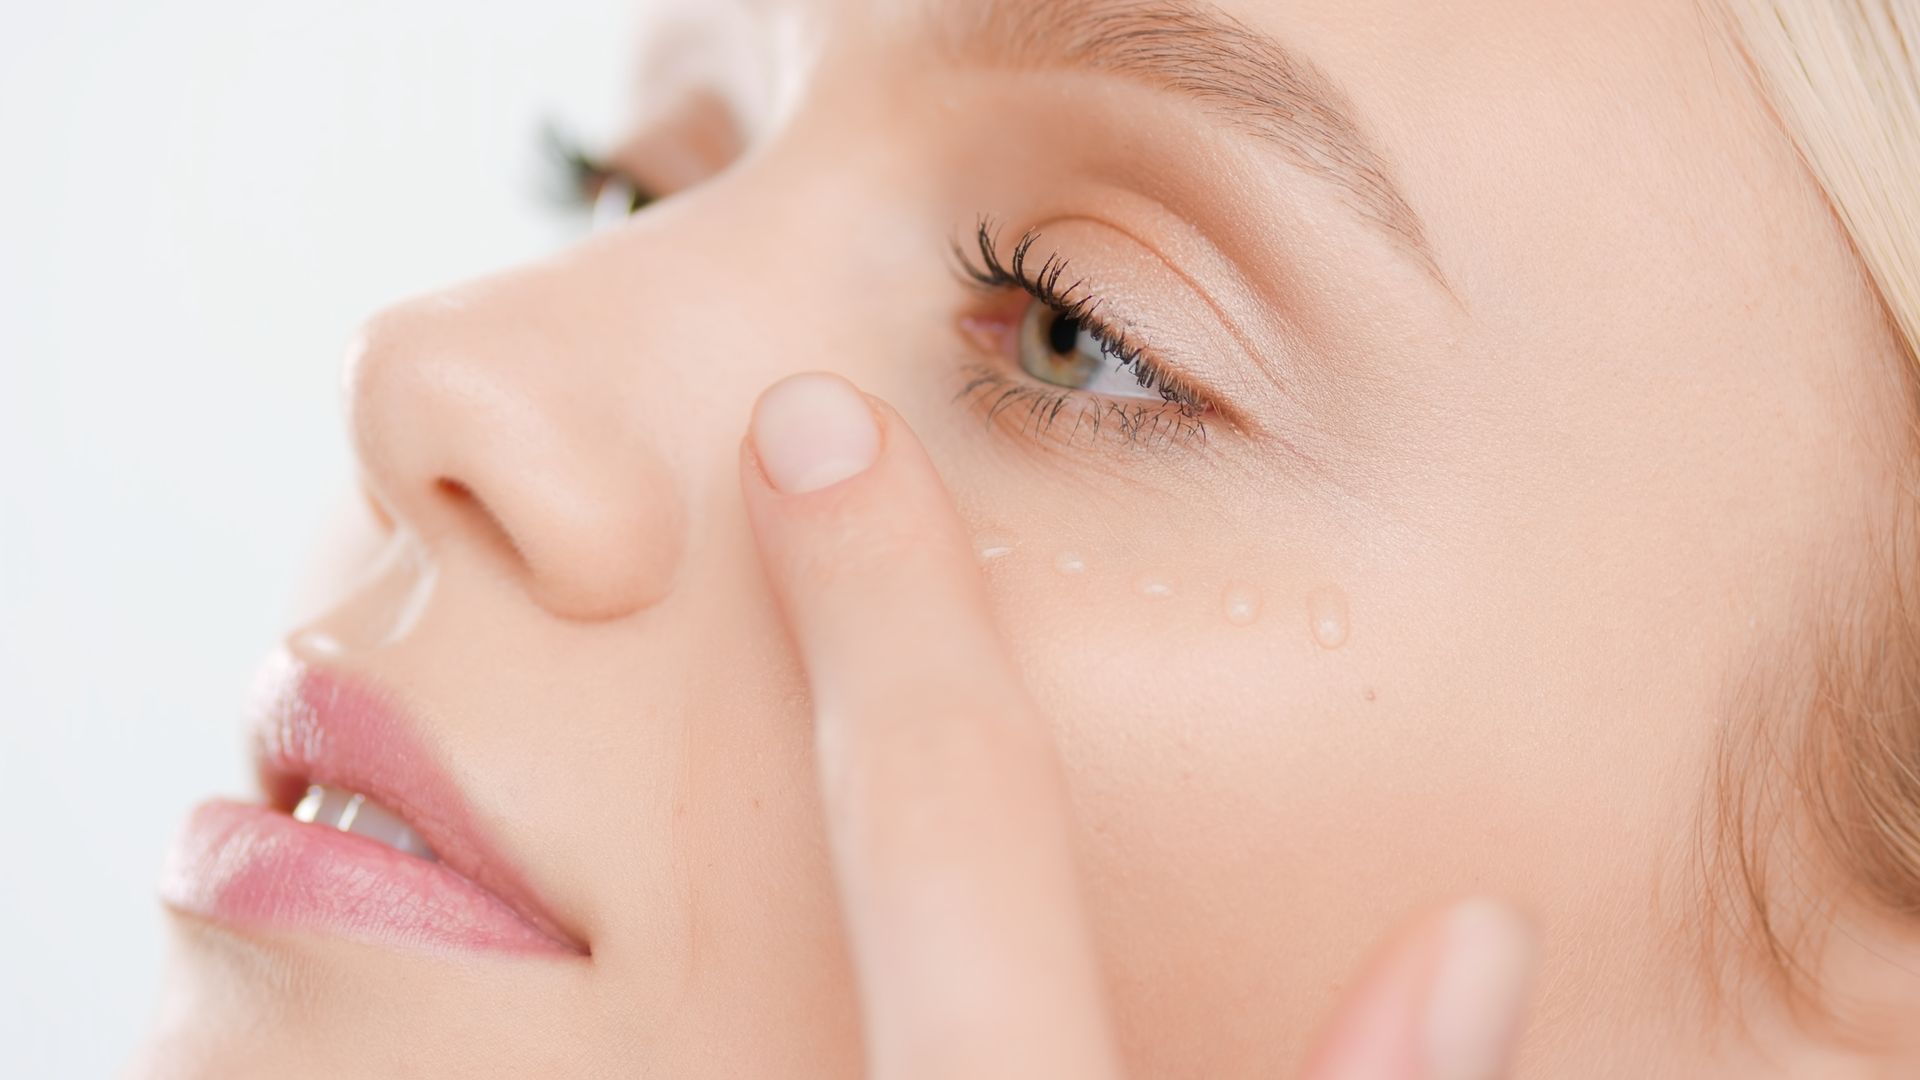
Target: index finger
(946,812)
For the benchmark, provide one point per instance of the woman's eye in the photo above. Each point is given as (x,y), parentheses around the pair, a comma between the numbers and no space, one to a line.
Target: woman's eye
(617,199)
(1057,348)
(587,181)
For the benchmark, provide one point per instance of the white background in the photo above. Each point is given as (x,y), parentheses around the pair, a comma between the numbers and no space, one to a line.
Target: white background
(198,201)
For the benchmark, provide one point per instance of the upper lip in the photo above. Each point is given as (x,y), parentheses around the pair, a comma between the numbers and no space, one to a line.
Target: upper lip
(318,726)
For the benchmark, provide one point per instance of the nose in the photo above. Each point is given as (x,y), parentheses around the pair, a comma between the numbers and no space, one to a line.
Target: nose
(483,419)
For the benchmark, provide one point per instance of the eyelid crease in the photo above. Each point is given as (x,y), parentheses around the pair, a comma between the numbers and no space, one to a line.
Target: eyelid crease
(1190,48)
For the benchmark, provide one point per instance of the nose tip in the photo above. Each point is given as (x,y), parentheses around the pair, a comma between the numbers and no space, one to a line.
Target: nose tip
(476,434)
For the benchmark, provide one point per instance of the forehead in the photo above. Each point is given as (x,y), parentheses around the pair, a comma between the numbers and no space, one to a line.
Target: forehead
(1465,98)
(1405,63)
(1462,34)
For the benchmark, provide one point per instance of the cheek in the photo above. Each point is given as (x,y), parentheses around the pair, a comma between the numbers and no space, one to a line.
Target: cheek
(1274,766)
(1234,763)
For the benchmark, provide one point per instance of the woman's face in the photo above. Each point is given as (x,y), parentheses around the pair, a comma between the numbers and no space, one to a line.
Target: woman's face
(1507,385)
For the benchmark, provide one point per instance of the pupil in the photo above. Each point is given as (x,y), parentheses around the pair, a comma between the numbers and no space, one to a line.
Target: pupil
(1062,335)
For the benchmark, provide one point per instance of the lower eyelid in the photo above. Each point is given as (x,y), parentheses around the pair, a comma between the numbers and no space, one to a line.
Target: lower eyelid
(1072,419)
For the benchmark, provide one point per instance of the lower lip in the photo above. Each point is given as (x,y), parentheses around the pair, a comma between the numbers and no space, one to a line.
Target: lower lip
(253,867)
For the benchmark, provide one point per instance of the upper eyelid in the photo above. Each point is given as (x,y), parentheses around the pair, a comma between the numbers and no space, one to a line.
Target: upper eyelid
(1043,285)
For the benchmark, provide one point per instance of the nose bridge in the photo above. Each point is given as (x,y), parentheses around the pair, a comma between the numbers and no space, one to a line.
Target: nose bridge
(494,416)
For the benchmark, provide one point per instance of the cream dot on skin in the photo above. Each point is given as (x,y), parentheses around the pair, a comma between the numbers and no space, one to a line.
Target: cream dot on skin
(1328,618)
(1154,588)
(1241,605)
(321,643)
(992,548)
(1070,563)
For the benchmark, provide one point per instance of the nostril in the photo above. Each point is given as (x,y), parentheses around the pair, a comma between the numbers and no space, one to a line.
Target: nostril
(470,442)
(481,519)
(579,559)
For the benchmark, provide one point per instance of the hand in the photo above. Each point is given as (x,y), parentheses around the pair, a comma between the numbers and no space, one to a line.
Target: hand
(946,811)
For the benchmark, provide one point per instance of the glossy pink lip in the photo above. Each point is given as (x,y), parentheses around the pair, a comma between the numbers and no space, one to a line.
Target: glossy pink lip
(257,866)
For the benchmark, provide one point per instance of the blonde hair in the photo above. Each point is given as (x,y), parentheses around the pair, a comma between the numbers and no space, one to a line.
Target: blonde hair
(1841,76)
(1841,790)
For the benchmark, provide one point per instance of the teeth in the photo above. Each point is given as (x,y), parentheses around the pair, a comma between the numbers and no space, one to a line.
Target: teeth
(354,813)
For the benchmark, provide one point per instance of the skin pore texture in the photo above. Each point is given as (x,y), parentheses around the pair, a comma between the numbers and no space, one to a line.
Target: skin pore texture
(1543,399)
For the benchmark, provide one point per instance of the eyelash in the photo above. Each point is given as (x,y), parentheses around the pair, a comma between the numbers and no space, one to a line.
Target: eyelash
(1178,416)
(580,175)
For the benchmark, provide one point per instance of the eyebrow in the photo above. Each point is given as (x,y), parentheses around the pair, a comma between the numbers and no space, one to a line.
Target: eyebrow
(1250,80)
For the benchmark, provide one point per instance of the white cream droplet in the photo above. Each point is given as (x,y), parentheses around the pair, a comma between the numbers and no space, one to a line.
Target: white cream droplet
(1327,615)
(1241,604)
(993,548)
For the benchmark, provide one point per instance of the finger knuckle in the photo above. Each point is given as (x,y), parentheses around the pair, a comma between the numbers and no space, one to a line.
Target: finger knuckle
(927,729)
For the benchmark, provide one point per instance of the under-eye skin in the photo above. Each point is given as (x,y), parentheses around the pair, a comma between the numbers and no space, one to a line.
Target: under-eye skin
(1069,369)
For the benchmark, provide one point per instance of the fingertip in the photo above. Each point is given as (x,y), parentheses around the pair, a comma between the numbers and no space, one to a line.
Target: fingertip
(1444,1001)
(813,431)
(1477,998)
(851,519)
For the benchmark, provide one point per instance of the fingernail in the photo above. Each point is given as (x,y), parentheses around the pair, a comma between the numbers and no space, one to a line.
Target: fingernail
(1479,989)
(813,431)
